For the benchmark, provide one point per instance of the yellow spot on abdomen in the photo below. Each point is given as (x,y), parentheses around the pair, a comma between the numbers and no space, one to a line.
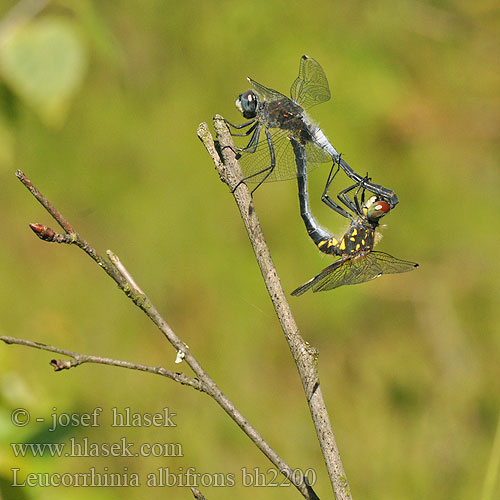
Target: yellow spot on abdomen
(342,245)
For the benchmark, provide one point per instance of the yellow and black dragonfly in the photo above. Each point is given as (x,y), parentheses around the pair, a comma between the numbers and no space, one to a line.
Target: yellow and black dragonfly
(358,261)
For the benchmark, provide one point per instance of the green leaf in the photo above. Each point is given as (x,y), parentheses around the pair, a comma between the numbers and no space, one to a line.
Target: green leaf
(44,63)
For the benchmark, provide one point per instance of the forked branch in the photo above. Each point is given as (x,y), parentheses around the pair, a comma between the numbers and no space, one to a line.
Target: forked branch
(78,359)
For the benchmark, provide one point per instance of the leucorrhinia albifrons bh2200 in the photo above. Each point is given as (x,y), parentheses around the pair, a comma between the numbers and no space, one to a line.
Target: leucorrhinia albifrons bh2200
(271,158)
(358,261)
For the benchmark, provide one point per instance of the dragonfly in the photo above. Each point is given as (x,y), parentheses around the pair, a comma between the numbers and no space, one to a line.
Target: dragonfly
(358,261)
(274,118)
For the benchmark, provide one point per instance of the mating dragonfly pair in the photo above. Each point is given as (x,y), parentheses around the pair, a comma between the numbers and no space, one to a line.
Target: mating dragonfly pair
(294,145)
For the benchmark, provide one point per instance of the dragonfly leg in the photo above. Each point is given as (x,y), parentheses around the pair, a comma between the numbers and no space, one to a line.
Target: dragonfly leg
(254,140)
(243,125)
(354,206)
(325,198)
(251,147)
(272,155)
(247,133)
(266,171)
(381,191)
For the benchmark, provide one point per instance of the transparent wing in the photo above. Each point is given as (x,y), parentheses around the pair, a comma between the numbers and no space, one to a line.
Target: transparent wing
(324,276)
(255,166)
(350,272)
(363,267)
(315,154)
(265,93)
(391,265)
(311,86)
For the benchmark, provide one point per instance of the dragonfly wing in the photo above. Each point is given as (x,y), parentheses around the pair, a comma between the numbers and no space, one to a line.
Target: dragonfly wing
(392,265)
(316,155)
(362,268)
(311,86)
(265,93)
(255,166)
(374,264)
(351,271)
(330,274)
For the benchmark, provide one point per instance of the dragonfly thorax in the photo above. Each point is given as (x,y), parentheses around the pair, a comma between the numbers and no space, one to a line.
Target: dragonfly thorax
(360,236)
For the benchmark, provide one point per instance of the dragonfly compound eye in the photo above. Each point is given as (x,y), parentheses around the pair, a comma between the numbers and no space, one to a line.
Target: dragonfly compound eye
(247,104)
(377,209)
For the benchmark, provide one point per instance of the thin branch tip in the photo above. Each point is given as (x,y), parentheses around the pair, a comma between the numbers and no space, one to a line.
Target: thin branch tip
(197,494)
(202,130)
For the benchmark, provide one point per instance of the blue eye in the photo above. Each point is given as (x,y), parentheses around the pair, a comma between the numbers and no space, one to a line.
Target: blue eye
(247,104)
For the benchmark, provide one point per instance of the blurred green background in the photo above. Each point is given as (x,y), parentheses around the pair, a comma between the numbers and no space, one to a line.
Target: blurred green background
(99,105)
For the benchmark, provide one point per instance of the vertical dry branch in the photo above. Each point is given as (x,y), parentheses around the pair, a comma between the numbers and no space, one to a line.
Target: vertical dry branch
(303,354)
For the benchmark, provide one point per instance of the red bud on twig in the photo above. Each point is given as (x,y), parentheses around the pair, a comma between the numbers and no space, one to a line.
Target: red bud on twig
(45,233)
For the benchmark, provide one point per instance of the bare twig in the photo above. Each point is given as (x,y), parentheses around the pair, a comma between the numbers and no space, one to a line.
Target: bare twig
(123,270)
(198,494)
(304,356)
(79,359)
(123,279)
(46,233)
(74,237)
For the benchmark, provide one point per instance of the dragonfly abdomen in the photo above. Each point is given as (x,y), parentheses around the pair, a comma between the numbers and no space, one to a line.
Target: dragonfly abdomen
(318,137)
(330,246)
(322,141)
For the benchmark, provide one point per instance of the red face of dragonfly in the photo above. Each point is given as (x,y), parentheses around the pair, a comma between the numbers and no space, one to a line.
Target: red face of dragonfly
(375,209)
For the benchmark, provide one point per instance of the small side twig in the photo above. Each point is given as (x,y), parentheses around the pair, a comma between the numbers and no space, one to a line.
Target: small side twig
(123,271)
(78,359)
(304,356)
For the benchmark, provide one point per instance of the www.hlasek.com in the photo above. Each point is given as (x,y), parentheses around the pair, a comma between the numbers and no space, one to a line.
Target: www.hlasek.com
(84,447)
(161,477)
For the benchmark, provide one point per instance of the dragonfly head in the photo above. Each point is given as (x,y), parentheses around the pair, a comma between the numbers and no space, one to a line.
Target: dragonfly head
(247,104)
(374,209)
